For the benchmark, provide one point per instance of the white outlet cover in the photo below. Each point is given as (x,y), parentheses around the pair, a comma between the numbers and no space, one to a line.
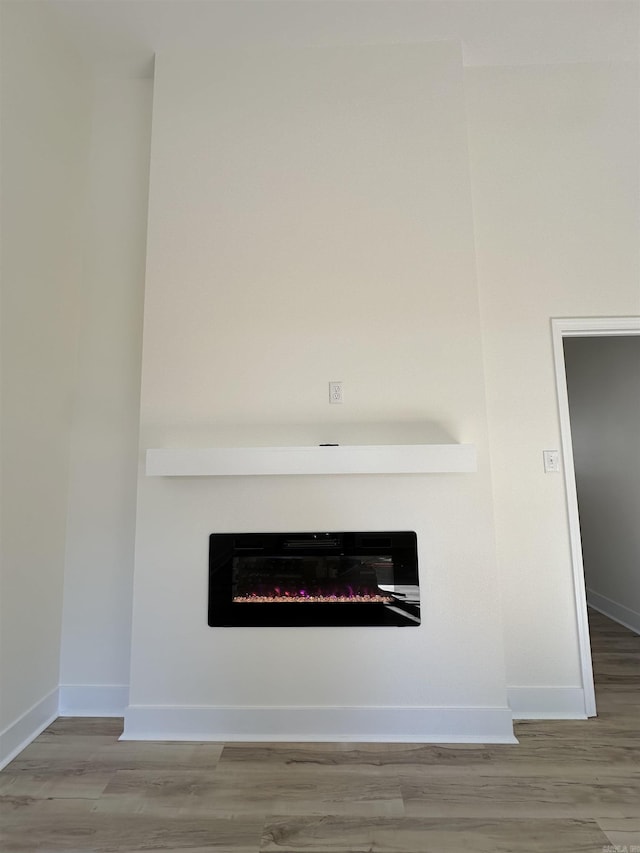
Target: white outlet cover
(335,392)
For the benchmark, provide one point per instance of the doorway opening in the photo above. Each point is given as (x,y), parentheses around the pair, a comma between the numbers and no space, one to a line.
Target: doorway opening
(562,329)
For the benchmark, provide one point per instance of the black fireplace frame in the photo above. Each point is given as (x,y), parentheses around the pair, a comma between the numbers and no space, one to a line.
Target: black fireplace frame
(401,546)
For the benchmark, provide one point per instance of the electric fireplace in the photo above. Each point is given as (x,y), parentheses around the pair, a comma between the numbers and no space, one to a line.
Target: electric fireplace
(321,579)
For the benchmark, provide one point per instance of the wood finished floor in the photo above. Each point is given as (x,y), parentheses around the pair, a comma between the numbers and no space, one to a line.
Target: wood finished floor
(570,787)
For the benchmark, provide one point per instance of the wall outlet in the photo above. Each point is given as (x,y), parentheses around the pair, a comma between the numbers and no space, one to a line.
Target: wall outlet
(551,461)
(335,392)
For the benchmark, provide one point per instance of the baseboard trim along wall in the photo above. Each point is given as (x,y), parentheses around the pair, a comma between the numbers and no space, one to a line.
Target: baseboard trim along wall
(409,725)
(547,703)
(93,700)
(618,612)
(27,727)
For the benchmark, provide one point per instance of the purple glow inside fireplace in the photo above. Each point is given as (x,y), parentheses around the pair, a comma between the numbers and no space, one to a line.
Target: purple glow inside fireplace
(321,579)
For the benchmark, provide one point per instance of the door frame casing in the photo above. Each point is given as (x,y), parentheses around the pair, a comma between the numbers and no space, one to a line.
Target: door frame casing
(583,327)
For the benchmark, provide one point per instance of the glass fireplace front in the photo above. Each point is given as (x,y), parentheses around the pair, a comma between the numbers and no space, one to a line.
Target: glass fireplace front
(322,579)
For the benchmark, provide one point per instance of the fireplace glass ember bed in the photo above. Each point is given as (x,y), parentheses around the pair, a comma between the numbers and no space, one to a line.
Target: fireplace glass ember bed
(321,579)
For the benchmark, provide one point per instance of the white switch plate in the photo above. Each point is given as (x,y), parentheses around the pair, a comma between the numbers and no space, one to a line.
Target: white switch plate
(551,461)
(335,392)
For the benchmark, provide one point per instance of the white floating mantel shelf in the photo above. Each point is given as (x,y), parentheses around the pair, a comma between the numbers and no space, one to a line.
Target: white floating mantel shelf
(343,459)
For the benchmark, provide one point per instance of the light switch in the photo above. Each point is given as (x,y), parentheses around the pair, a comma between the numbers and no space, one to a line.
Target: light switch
(551,461)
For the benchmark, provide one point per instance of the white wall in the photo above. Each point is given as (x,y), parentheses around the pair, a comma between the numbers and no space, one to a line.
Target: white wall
(603,381)
(104,439)
(554,162)
(310,219)
(492,33)
(44,143)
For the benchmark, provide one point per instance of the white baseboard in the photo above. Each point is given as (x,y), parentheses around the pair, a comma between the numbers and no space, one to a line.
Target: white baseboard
(618,612)
(412,725)
(547,703)
(93,700)
(28,726)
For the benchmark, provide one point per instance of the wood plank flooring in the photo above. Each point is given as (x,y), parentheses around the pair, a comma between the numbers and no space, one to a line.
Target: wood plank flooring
(569,786)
